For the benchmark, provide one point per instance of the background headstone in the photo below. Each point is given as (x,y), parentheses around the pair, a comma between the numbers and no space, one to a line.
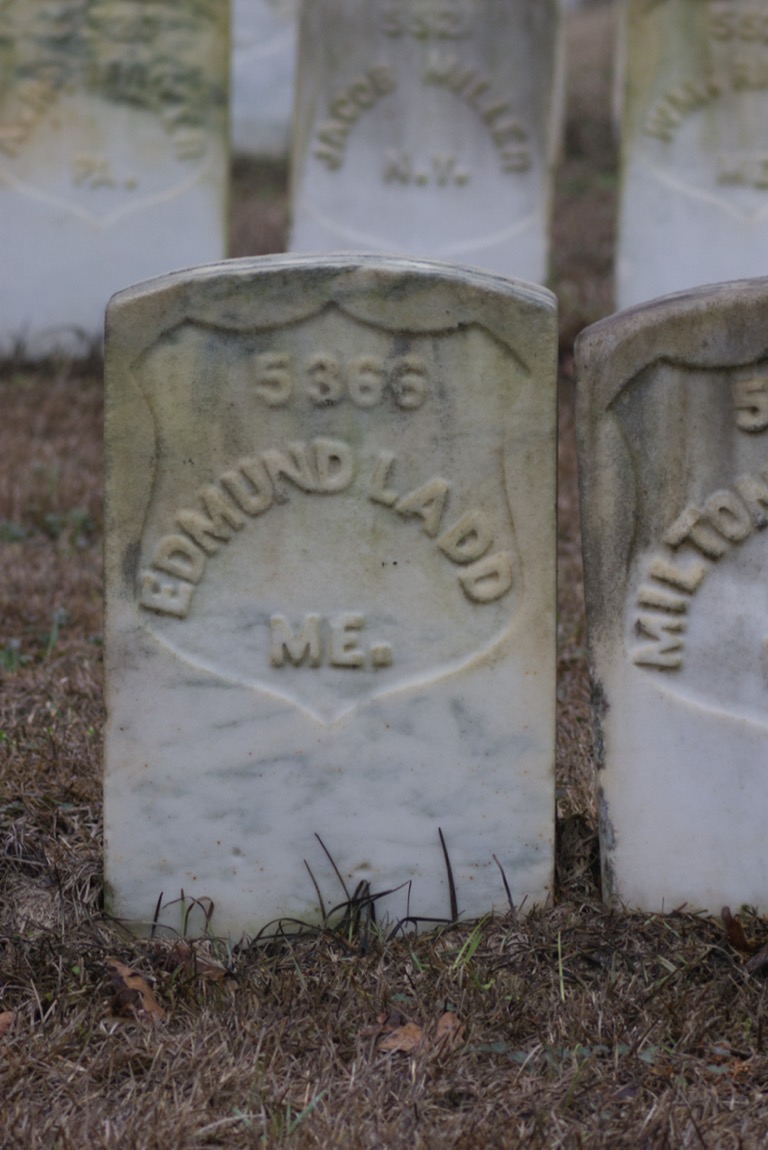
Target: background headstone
(694,194)
(673,432)
(428,128)
(263,65)
(330,588)
(113,155)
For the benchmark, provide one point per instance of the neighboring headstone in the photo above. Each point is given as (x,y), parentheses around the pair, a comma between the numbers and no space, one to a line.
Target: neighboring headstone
(330,588)
(673,441)
(428,128)
(263,58)
(113,156)
(694,196)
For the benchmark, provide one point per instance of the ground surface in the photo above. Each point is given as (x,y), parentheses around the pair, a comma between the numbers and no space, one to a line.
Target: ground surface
(576,1026)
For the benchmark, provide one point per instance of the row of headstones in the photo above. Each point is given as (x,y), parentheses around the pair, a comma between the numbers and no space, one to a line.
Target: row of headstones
(330,559)
(422,127)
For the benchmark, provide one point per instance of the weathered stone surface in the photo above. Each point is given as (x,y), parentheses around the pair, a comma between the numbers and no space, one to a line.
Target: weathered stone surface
(330,587)
(673,440)
(113,155)
(428,128)
(694,199)
(263,66)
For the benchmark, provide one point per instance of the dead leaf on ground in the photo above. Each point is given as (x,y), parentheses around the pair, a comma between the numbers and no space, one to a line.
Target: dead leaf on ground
(7,1019)
(132,996)
(758,961)
(734,932)
(183,956)
(450,1031)
(403,1039)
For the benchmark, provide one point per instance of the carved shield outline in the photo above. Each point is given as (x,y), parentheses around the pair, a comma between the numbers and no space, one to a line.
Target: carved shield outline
(329,715)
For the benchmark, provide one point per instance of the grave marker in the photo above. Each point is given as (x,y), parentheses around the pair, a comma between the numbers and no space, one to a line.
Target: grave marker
(694,198)
(673,430)
(263,58)
(113,157)
(330,588)
(428,128)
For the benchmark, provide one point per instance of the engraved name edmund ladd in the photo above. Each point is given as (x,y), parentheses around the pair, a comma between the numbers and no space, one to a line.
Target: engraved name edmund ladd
(720,104)
(701,588)
(65,64)
(317,516)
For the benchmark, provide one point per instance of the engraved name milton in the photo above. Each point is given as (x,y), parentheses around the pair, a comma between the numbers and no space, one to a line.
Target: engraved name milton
(701,536)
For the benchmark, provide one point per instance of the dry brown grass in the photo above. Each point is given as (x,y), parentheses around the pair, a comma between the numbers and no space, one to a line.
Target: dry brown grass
(582,1027)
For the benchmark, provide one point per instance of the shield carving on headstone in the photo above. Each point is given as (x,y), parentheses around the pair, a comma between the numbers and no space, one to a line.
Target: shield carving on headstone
(328,519)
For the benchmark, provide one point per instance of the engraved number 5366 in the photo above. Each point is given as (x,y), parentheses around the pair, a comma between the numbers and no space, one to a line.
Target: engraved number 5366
(325,379)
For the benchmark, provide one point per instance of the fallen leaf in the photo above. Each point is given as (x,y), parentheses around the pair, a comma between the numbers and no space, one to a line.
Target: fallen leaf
(391,1021)
(183,956)
(734,932)
(7,1019)
(132,994)
(403,1039)
(758,961)
(400,1037)
(450,1031)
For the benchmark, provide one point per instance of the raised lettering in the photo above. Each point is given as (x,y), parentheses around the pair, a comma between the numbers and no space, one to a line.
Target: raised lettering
(378,491)
(427,502)
(163,597)
(398,166)
(381,655)
(177,555)
(487,579)
(754,491)
(366,381)
(272,378)
(409,382)
(659,600)
(446,71)
(334,463)
(750,398)
(665,652)
(345,632)
(249,485)
(688,579)
(326,385)
(296,647)
(294,464)
(728,515)
(346,108)
(468,539)
(691,527)
(515,160)
(216,525)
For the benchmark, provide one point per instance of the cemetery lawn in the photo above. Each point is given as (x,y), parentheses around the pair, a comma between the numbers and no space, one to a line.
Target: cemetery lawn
(571,1026)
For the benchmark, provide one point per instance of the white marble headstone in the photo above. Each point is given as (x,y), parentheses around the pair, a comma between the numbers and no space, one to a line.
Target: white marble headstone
(673,441)
(694,181)
(113,156)
(263,66)
(428,128)
(330,588)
